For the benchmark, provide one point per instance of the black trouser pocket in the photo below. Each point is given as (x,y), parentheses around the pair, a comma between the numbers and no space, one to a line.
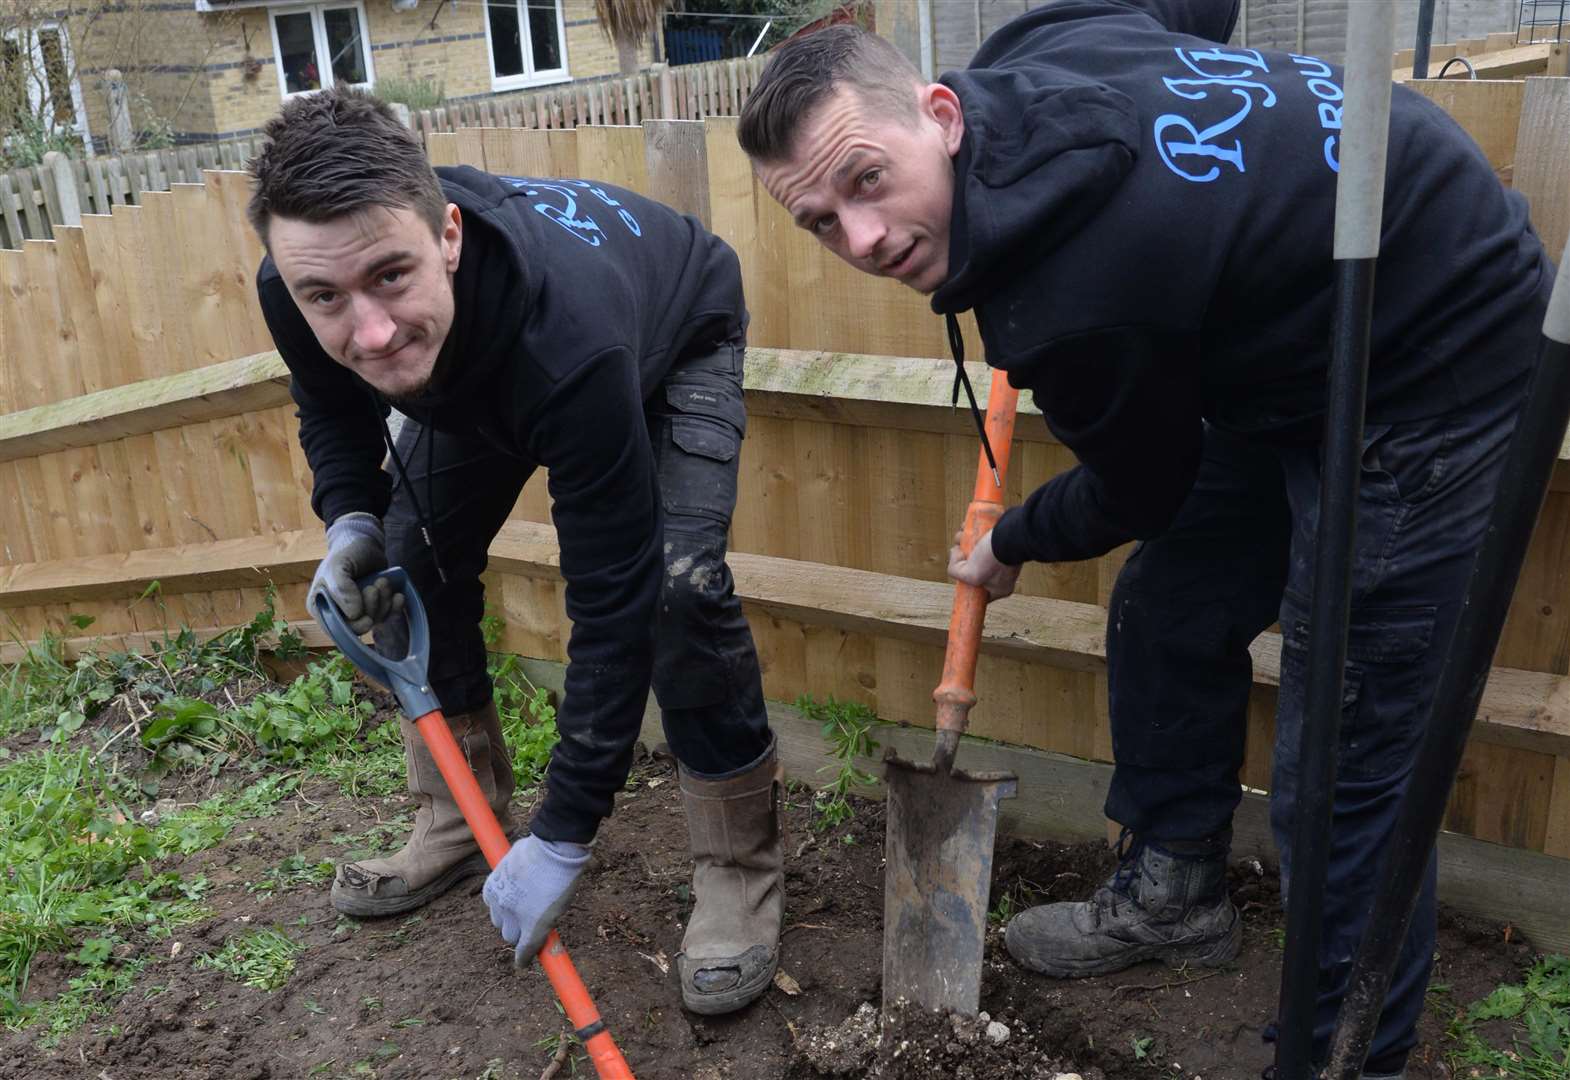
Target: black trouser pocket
(1385,692)
(706,419)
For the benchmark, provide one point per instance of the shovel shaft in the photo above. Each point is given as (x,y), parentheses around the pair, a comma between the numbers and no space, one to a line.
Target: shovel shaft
(581,1013)
(955,693)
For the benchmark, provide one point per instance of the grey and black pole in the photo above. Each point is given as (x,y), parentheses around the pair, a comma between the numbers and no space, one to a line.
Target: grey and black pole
(1360,189)
(1425,39)
(1529,464)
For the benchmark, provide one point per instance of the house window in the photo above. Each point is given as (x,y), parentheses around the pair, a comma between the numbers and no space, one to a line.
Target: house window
(37,79)
(321,46)
(528,42)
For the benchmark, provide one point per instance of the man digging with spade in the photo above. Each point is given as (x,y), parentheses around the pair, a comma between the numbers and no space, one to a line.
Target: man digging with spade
(1140,217)
(558,324)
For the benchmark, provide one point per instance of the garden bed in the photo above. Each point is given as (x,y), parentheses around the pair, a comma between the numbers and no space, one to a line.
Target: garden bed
(434,994)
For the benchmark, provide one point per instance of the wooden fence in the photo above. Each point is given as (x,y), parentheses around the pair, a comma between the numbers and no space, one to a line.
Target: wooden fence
(34,200)
(146,436)
(1508,54)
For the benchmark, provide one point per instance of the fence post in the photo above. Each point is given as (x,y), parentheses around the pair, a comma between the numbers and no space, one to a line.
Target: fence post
(667,81)
(121,138)
(401,111)
(65,187)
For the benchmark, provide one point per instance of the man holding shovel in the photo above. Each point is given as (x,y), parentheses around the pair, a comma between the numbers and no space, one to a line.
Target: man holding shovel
(1140,217)
(519,324)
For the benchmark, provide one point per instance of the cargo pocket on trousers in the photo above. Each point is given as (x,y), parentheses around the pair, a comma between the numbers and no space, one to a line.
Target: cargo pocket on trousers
(1386,691)
(698,469)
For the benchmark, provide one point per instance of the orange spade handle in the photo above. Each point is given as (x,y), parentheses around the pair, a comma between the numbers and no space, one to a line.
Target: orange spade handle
(955,694)
(581,1013)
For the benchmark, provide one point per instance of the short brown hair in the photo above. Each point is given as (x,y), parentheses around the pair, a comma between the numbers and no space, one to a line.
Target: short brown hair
(339,152)
(807,70)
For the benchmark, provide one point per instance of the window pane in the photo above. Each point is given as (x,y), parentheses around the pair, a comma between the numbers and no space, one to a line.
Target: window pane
(542,35)
(506,46)
(346,45)
(60,105)
(297,52)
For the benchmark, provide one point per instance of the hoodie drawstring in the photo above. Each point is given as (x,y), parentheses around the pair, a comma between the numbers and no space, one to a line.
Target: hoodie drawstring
(962,378)
(403,477)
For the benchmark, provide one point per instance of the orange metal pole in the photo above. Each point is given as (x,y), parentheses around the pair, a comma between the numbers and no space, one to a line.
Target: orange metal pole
(558,966)
(955,693)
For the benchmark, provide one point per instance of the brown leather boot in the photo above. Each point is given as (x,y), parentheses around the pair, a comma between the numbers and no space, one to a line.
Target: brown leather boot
(441,851)
(731,947)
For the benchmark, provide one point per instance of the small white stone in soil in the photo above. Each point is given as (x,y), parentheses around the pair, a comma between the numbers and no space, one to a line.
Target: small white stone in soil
(997,1032)
(984,1017)
(1068,1076)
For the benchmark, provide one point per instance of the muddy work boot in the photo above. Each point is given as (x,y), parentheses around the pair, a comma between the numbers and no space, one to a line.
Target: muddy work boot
(1166,902)
(731,947)
(441,851)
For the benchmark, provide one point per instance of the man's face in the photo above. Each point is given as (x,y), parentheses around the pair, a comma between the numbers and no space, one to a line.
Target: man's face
(876,189)
(376,288)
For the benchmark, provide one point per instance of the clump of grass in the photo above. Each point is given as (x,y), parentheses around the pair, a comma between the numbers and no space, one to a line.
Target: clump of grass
(527,714)
(1537,1012)
(263,959)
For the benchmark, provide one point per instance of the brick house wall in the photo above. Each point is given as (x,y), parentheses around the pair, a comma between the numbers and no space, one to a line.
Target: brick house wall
(195,70)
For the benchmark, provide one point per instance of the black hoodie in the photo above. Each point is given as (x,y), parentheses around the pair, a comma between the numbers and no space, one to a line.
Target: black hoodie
(572,301)
(1142,223)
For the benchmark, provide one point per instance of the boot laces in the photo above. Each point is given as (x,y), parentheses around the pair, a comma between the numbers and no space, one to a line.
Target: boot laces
(1120,887)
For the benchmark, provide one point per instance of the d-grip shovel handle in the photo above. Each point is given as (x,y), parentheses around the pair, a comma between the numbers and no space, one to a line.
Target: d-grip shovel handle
(407,679)
(956,694)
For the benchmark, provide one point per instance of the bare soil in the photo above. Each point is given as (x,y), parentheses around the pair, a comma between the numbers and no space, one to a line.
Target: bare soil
(434,994)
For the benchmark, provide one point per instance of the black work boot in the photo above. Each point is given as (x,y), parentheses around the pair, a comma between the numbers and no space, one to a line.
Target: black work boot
(1165,902)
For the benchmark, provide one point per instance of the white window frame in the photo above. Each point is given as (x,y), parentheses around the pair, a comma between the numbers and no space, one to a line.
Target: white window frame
(530,77)
(319,39)
(34,51)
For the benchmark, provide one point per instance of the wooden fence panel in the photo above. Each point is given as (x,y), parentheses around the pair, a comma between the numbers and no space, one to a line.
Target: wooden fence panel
(442,149)
(10,213)
(115,364)
(148,357)
(1543,159)
(29,191)
(1489,111)
(241,256)
(163,270)
(614,155)
(27,381)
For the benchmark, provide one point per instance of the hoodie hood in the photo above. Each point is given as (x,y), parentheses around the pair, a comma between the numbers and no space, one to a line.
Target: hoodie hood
(1213,20)
(492,295)
(1043,150)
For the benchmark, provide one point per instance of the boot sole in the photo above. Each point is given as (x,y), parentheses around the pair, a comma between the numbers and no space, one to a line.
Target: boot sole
(359,906)
(1212,953)
(730,1000)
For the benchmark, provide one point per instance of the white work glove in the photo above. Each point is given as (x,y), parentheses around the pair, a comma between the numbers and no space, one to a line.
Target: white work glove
(355,548)
(982,568)
(529,890)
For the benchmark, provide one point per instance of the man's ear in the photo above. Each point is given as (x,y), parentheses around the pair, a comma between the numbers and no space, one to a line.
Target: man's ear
(452,236)
(941,104)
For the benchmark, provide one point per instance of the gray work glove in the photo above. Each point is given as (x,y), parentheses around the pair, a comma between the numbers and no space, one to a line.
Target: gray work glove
(529,890)
(355,548)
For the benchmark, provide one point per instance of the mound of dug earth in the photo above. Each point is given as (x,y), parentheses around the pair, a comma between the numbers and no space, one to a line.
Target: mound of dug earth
(916,1044)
